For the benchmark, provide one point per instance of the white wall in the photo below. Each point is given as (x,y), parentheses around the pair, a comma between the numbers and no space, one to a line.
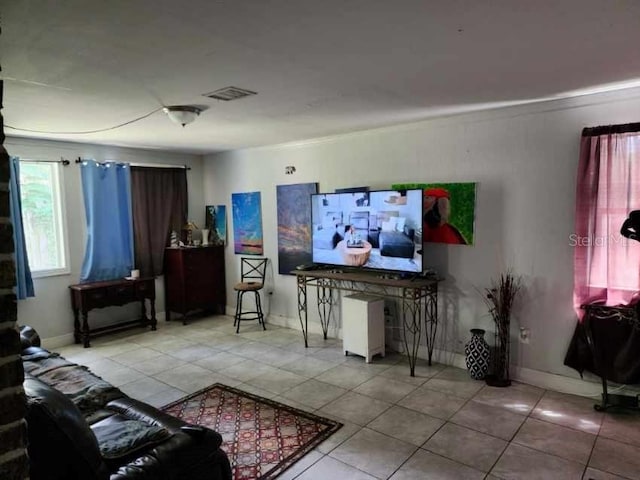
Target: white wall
(49,312)
(524,160)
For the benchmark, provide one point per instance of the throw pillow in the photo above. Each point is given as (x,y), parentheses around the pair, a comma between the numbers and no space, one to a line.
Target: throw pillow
(389,225)
(118,439)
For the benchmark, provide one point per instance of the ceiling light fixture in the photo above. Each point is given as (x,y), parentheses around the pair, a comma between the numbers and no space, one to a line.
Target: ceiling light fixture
(182,114)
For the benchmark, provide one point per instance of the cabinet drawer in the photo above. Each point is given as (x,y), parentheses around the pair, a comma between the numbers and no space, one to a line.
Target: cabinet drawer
(121,294)
(95,299)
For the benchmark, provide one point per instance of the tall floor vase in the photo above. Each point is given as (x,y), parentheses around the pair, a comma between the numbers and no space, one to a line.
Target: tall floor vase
(500,376)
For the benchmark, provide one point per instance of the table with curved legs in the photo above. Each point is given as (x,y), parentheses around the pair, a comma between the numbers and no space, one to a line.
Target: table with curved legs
(418,298)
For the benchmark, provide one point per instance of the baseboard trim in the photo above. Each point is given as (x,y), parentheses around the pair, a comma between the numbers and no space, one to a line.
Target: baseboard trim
(51,343)
(546,380)
(537,378)
(294,324)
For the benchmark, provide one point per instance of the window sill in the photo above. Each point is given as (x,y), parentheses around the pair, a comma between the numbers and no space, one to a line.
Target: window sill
(54,272)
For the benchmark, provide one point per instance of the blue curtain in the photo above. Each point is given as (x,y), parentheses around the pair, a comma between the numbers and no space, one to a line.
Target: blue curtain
(24,282)
(106,189)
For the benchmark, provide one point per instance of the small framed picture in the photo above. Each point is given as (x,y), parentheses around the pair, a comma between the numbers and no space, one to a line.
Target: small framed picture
(216,223)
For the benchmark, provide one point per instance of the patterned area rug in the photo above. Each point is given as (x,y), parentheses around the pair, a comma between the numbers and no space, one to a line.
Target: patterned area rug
(261,437)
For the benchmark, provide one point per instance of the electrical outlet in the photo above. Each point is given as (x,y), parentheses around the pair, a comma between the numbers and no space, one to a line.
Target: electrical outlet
(525,335)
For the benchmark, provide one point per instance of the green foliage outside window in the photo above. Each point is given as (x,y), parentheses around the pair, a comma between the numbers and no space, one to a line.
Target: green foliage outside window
(38,215)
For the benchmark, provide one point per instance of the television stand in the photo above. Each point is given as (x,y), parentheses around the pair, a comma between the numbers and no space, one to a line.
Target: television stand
(418,296)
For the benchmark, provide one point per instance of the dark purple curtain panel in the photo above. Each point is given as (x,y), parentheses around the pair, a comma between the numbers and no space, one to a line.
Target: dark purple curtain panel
(160,205)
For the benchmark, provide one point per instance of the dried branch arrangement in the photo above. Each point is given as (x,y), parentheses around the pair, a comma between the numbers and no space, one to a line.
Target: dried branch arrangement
(499,298)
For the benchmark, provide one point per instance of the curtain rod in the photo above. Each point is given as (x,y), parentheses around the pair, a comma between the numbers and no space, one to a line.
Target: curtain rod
(611,129)
(62,160)
(148,165)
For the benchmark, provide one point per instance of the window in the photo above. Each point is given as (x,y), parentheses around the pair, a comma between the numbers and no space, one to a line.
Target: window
(608,190)
(42,215)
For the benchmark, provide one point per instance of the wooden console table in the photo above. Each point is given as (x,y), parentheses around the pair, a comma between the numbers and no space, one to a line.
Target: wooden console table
(87,296)
(419,298)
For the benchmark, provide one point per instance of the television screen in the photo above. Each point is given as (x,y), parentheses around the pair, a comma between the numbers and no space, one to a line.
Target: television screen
(378,230)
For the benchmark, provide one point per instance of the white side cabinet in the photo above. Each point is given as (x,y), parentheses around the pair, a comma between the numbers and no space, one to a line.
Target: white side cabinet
(363,325)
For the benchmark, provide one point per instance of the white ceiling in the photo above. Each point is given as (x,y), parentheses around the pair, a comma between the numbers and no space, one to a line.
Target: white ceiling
(320,67)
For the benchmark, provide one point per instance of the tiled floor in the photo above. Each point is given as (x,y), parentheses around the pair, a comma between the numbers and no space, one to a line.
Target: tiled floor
(439,424)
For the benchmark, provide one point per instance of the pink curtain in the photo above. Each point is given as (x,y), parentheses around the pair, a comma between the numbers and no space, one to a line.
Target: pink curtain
(606,264)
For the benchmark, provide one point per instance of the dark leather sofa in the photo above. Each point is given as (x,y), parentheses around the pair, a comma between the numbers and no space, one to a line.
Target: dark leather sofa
(94,431)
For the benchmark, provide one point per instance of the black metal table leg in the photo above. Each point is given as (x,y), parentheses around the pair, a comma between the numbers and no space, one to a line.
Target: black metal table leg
(412,327)
(324,289)
(302,307)
(431,318)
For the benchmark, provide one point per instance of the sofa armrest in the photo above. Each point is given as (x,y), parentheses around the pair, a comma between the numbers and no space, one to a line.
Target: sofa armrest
(203,465)
(138,410)
(61,444)
(193,451)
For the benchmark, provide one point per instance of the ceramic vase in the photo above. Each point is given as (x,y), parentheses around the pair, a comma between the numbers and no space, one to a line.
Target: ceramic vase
(205,236)
(477,354)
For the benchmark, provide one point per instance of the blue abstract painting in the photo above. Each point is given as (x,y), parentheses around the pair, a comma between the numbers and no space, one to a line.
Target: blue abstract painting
(247,223)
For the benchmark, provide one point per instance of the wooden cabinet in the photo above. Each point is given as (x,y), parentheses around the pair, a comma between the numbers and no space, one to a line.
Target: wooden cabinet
(194,279)
(87,296)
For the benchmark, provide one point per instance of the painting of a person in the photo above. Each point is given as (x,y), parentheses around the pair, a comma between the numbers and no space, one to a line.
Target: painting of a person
(436,226)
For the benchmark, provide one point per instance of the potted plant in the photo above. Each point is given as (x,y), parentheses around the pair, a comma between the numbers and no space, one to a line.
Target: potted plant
(499,298)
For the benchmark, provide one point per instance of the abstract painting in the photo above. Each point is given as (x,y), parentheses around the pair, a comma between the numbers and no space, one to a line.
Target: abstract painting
(294,225)
(216,222)
(448,211)
(247,223)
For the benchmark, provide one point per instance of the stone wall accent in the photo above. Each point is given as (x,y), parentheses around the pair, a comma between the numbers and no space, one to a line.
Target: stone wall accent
(14,463)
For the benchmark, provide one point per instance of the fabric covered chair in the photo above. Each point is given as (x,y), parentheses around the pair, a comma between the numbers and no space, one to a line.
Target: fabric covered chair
(252,273)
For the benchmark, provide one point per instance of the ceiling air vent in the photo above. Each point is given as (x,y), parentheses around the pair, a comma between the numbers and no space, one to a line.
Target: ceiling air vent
(230,93)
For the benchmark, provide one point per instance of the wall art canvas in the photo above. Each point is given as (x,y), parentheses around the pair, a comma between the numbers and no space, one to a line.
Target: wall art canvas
(359,195)
(247,223)
(294,225)
(216,222)
(448,211)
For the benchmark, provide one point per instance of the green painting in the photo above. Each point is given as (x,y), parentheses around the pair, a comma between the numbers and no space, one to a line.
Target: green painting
(448,211)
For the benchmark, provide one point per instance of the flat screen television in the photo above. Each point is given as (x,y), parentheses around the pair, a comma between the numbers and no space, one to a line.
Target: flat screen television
(377,230)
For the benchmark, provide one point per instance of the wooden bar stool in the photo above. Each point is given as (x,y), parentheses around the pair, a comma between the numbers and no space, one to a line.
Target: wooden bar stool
(252,273)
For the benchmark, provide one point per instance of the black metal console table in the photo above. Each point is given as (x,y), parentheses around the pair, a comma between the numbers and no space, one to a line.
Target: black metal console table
(418,296)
